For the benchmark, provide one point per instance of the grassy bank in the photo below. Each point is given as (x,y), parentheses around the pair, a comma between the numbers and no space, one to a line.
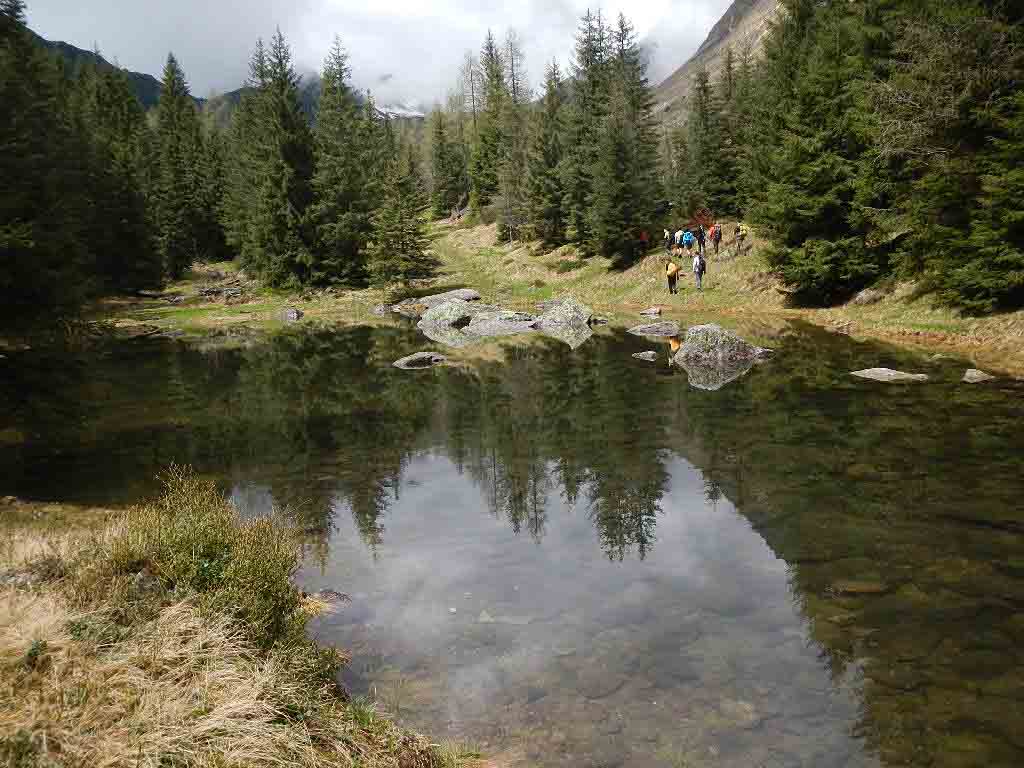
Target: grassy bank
(173,635)
(519,275)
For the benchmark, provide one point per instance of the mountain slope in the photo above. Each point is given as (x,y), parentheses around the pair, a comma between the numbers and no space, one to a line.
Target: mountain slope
(743,28)
(146,87)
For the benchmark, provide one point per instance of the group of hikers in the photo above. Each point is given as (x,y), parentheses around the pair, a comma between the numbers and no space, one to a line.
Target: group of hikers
(680,245)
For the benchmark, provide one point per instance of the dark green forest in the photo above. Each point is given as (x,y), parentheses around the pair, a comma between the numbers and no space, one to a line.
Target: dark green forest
(870,140)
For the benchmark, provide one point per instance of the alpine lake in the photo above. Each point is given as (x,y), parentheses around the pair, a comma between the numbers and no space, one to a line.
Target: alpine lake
(571,557)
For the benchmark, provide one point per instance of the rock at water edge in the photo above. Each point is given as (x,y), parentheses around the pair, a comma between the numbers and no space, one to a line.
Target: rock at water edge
(711,344)
(650,356)
(419,360)
(566,312)
(652,312)
(974,376)
(664,328)
(889,376)
(291,315)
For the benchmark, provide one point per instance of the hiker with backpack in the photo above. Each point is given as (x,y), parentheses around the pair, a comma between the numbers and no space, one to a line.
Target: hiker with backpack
(679,238)
(701,239)
(741,236)
(672,273)
(688,240)
(668,241)
(716,236)
(698,270)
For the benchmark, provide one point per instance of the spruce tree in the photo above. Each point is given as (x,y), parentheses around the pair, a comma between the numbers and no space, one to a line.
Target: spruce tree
(45,266)
(584,118)
(175,201)
(279,233)
(340,211)
(487,152)
(446,168)
(399,248)
(513,210)
(544,181)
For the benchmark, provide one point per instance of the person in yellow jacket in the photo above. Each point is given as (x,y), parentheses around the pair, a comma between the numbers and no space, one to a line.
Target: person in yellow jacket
(672,273)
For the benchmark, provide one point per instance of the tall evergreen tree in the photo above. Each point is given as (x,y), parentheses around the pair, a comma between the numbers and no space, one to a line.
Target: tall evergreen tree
(584,117)
(487,152)
(280,238)
(513,161)
(544,182)
(45,266)
(399,250)
(446,166)
(340,212)
(175,199)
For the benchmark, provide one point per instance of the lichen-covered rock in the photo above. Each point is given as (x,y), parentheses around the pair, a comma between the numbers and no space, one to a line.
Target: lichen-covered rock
(454,312)
(664,328)
(459,294)
(419,360)
(650,356)
(499,322)
(974,376)
(291,315)
(564,312)
(889,375)
(382,309)
(713,345)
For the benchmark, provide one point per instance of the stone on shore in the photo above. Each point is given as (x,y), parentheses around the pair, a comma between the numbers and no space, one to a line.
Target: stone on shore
(652,312)
(889,376)
(419,360)
(291,315)
(566,320)
(974,376)
(713,345)
(664,328)
(650,356)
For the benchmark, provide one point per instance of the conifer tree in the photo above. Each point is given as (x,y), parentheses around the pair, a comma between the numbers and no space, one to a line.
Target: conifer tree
(175,193)
(279,240)
(340,211)
(544,182)
(446,166)
(45,266)
(399,248)
(487,152)
(584,118)
(513,162)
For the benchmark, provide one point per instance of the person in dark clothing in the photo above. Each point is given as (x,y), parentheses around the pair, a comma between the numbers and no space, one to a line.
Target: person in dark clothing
(702,237)
(716,237)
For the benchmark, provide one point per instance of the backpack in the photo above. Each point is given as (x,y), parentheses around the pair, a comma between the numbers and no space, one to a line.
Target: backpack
(688,238)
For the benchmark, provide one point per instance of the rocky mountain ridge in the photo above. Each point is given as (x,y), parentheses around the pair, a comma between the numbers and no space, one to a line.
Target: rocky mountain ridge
(743,27)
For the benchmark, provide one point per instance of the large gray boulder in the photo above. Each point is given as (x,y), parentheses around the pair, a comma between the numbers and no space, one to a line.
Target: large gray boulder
(974,376)
(566,320)
(889,376)
(419,360)
(664,328)
(564,312)
(457,323)
(710,345)
(459,294)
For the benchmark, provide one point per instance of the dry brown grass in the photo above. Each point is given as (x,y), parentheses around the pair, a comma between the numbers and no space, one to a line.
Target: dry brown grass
(106,661)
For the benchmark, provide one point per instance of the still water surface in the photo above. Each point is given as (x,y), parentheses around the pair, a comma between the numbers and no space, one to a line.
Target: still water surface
(572,558)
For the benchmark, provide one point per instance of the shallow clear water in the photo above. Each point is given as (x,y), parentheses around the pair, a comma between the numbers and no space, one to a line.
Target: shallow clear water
(802,568)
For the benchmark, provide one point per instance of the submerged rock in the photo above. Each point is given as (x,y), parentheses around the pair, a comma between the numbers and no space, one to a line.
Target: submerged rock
(664,328)
(888,375)
(713,345)
(974,376)
(457,323)
(499,322)
(419,360)
(573,335)
(650,356)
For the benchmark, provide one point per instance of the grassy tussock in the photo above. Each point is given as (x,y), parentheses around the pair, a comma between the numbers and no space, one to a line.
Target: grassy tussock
(175,637)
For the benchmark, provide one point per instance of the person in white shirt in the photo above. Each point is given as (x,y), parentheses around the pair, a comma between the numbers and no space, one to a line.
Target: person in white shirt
(698,270)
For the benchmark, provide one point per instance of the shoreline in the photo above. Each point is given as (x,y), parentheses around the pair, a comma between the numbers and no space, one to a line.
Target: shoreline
(216,300)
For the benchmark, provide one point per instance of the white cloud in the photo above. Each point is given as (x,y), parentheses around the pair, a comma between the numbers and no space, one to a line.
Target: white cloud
(420,44)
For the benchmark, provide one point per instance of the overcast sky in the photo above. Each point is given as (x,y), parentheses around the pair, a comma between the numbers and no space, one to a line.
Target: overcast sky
(419,43)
